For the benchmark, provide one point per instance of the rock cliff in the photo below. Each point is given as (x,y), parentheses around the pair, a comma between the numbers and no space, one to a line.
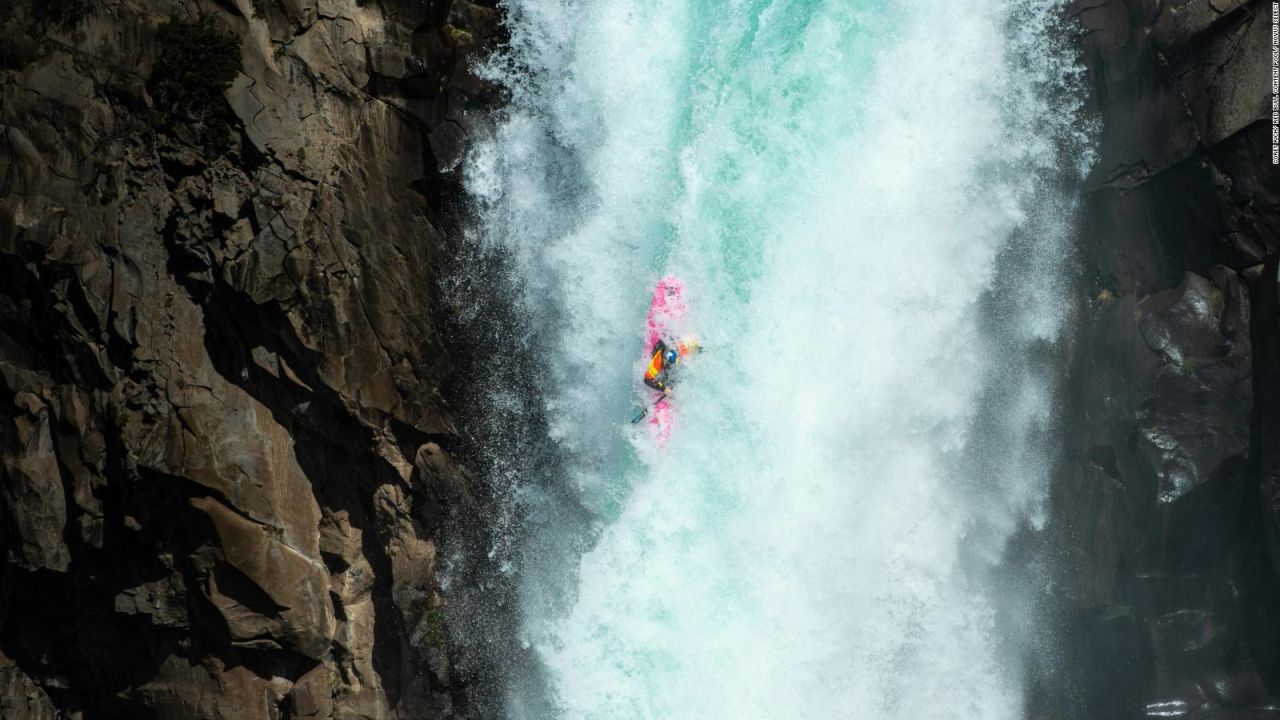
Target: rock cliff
(226,459)
(226,456)
(1165,517)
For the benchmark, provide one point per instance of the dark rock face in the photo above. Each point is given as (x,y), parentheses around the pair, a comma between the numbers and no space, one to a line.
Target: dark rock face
(1184,180)
(1199,332)
(224,450)
(1163,519)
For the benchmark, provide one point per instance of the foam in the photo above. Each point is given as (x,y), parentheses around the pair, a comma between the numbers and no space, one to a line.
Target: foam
(840,185)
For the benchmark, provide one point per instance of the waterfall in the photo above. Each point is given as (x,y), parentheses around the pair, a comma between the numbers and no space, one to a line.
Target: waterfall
(866,202)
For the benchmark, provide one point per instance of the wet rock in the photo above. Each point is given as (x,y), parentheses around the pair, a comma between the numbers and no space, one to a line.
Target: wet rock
(1184,131)
(1240,687)
(1181,22)
(1223,74)
(1199,410)
(1170,440)
(1266,448)
(445,486)
(447,144)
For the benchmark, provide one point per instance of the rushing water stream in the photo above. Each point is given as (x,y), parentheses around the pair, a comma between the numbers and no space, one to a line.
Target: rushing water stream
(864,201)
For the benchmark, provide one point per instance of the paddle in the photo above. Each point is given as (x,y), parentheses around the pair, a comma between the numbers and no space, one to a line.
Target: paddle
(645,410)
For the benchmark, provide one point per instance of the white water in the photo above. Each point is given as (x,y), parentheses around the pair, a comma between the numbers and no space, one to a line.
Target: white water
(849,189)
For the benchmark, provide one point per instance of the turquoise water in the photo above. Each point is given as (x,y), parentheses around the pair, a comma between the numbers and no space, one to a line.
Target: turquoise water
(860,198)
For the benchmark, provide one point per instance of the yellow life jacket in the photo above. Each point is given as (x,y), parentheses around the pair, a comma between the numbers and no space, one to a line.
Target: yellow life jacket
(657,364)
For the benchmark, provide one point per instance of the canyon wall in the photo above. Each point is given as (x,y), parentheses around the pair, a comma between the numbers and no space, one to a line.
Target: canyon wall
(1165,519)
(226,456)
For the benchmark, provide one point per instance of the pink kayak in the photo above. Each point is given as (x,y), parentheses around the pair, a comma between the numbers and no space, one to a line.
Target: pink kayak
(665,322)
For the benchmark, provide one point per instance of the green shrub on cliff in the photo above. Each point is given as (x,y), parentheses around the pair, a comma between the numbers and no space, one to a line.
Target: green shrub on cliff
(198,60)
(459,36)
(435,628)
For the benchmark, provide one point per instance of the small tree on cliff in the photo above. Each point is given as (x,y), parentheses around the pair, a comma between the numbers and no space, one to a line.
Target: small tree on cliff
(198,60)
